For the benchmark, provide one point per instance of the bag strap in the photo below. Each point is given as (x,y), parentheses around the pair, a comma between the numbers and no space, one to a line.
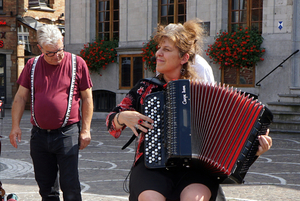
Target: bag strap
(70,99)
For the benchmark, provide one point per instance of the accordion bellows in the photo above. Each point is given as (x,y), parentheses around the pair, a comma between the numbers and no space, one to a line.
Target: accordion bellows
(211,127)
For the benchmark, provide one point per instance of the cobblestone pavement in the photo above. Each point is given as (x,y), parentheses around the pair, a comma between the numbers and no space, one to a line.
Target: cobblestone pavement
(103,167)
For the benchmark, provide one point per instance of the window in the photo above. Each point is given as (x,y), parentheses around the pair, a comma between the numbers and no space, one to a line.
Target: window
(239,77)
(108,19)
(206,28)
(171,11)
(131,70)
(1,5)
(34,3)
(23,37)
(243,13)
(104,101)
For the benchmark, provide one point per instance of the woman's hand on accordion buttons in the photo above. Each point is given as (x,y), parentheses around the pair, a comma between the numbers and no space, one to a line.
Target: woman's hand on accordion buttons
(265,143)
(136,121)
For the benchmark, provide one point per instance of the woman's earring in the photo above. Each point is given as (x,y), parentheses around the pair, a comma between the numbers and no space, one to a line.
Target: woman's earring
(182,71)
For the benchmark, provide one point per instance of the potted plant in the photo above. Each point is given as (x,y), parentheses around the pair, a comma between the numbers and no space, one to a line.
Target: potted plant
(99,54)
(149,49)
(240,49)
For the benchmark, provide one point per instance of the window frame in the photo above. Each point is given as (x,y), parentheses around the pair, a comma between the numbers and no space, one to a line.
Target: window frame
(35,3)
(237,83)
(111,19)
(131,70)
(22,33)
(40,5)
(175,11)
(249,10)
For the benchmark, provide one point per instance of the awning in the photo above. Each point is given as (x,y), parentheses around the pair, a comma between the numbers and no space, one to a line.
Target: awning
(30,21)
(33,23)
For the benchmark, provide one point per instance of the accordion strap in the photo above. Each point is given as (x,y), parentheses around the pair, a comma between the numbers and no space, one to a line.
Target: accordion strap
(129,141)
(155,80)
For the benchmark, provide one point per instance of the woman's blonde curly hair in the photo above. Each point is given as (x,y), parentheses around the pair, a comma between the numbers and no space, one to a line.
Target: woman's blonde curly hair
(187,38)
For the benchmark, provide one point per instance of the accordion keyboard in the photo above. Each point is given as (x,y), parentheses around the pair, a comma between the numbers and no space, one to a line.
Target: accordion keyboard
(154,156)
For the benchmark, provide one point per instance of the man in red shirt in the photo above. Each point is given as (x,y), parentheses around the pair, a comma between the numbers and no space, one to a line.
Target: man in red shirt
(57,134)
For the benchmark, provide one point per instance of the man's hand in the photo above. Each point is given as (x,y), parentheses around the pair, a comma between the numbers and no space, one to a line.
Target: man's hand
(16,114)
(85,139)
(15,134)
(87,114)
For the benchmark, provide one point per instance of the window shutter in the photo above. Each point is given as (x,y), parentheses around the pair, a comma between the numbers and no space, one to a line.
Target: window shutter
(33,3)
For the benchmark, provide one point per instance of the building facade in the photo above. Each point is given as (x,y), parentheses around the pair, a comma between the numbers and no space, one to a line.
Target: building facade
(19,20)
(135,23)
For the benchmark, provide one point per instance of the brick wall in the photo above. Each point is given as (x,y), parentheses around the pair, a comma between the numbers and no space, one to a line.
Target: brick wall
(9,38)
(9,6)
(52,15)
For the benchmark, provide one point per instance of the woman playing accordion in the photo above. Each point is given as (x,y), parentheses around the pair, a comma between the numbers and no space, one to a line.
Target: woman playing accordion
(178,46)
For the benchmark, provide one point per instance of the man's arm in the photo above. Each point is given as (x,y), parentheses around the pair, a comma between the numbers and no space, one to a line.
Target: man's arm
(87,114)
(17,113)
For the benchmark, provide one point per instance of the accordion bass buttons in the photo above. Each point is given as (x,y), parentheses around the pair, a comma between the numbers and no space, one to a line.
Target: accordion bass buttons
(153,145)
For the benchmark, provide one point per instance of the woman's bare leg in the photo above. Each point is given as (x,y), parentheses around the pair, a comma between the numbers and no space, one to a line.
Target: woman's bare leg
(195,192)
(150,195)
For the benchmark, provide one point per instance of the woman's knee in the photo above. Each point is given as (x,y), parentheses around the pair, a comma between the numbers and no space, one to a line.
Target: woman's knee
(195,192)
(150,195)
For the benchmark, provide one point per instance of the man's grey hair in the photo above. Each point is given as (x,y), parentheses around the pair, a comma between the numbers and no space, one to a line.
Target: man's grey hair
(48,35)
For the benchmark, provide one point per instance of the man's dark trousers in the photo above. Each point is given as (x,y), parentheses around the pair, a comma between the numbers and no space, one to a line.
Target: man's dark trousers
(53,150)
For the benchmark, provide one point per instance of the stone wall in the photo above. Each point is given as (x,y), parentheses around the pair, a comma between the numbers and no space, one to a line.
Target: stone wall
(80,24)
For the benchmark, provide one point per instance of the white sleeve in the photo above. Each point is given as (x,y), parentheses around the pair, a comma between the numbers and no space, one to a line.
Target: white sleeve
(203,69)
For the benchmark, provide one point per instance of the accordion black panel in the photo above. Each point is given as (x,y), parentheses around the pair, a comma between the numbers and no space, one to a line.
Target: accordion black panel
(204,126)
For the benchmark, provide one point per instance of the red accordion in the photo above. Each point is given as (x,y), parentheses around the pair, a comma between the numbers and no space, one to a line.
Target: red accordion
(204,126)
